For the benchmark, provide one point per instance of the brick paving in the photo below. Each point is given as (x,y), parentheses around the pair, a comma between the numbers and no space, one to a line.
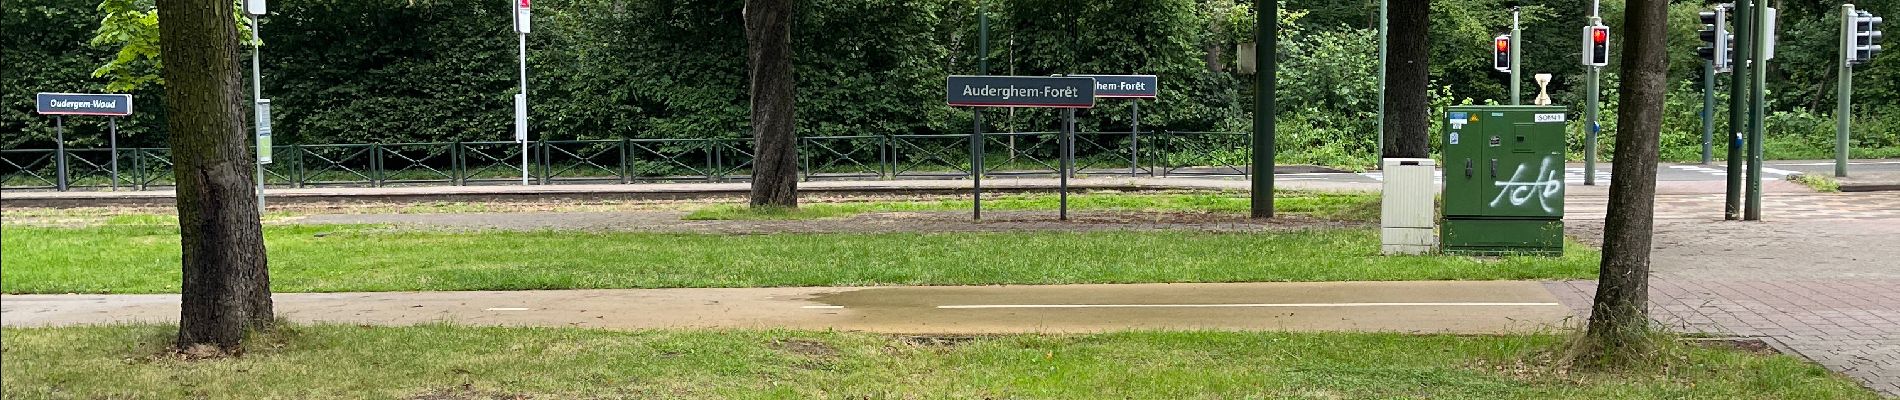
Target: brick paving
(1817,278)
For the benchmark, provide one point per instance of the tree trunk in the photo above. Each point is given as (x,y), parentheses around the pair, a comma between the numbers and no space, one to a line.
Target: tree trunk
(1619,319)
(226,288)
(1407,81)
(768,31)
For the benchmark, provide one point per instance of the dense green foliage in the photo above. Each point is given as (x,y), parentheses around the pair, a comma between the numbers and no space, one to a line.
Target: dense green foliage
(439,70)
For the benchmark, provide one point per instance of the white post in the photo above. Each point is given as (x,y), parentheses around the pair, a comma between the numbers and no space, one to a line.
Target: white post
(257,93)
(521,99)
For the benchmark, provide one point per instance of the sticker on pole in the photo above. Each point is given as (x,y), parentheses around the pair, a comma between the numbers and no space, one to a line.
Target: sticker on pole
(263,131)
(1558,117)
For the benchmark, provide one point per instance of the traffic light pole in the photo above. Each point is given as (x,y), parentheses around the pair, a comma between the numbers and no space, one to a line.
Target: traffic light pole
(1708,111)
(1738,106)
(1759,18)
(1844,95)
(1590,115)
(1516,43)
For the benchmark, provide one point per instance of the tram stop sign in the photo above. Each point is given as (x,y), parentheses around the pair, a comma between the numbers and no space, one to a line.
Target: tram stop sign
(1020,91)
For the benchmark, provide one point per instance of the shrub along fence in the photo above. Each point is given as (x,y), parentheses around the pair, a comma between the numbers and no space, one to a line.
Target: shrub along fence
(629,161)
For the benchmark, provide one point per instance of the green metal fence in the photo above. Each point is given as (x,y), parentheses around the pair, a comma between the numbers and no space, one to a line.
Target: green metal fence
(629,161)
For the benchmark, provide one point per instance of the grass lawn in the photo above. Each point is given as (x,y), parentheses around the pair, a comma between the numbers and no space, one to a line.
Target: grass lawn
(144,258)
(1347,206)
(437,362)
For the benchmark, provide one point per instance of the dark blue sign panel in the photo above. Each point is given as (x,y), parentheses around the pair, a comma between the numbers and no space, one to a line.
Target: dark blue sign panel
(1020,91)
(1136,86)
(85,104)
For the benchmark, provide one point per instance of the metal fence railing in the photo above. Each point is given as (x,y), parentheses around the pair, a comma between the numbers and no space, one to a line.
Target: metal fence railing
(654,160)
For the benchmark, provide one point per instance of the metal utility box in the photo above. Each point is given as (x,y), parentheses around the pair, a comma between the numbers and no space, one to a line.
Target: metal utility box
(1504,179)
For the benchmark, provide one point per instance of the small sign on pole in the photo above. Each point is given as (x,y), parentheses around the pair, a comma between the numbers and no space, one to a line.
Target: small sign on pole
(263,131)
(521,16)
(254,7)
(521,117)
(1126,86)
(117,105)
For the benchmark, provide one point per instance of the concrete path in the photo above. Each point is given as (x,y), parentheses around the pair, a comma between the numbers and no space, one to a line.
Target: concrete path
(1414,307)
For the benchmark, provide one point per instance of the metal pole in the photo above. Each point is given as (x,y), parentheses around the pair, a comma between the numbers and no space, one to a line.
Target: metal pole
(1517,42)
(1708,112)
(1593,126)
(1738,107)
(1382,60)
(112,135)
(59,152)
(976,136)
(1752,211)
(1844,96)
(1265,82)
(524,97)
(1064,142)
(1134,139)
(257,93)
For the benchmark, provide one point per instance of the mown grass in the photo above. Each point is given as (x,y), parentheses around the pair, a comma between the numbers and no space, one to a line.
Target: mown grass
(144,258)
(1351,206)
(439,361)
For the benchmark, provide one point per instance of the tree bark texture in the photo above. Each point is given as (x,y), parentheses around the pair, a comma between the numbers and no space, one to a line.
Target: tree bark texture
(1408,80)
(769,53)
(1619,316)
(226,285)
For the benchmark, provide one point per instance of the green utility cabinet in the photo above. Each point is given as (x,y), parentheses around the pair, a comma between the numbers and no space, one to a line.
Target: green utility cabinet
(1504,180)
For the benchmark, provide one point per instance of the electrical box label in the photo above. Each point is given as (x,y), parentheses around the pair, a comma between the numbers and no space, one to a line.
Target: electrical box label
(1454,138)
(1558,117)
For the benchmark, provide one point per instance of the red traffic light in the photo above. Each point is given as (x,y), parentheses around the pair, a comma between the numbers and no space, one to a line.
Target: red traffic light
(1600,35)
(1504,44)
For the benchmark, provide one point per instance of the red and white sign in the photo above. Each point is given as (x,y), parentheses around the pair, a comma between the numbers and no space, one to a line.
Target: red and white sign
(521,16)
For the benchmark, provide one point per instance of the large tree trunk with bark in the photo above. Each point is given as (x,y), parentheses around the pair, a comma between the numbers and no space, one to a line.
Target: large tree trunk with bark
(768,31)
(1619,318)
(1407,81)
(226,287)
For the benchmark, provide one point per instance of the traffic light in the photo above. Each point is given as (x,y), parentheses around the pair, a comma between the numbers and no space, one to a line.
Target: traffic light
(1718,45)
(1501,60)
(1866,38)
(1596,45)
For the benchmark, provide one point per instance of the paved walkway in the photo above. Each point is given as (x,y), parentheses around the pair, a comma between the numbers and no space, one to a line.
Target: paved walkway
(1414,307)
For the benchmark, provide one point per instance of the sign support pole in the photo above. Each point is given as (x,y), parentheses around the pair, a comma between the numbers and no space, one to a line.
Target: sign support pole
(1134,139)
(59,151)
(1267,13)
(1845,92)
(976,135)
(257,93)
(112,137)
(1382,55)
(1067,143)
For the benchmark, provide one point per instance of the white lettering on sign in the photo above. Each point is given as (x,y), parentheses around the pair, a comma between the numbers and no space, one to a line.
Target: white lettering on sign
(1013,92)
(57,103)
(1559,117)
(1112,86)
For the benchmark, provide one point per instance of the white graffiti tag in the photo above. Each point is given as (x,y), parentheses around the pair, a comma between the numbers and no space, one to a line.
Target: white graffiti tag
(1545,185)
